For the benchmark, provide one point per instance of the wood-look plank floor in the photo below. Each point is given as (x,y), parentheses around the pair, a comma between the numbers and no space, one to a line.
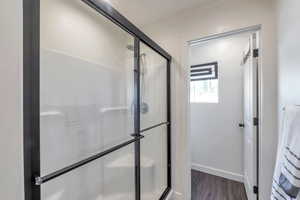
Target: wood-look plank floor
(209,187)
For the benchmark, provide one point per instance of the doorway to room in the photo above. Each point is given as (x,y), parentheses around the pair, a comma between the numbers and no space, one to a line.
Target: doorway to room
(224,113)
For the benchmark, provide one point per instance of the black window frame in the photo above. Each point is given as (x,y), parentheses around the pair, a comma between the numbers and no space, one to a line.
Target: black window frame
(31,99)
(205,71)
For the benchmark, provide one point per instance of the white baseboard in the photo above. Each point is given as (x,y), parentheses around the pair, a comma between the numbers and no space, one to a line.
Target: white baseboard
(218,172)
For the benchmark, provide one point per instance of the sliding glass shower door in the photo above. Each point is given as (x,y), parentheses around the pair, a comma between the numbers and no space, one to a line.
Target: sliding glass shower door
(86,102)
(97,106)
(153,102)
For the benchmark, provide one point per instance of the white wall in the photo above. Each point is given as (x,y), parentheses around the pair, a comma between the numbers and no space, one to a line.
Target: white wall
(11,135)
(173,32)
(288,54)
(214,126)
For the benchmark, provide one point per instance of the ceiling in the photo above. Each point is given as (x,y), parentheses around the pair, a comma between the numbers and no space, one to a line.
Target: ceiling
(142,12)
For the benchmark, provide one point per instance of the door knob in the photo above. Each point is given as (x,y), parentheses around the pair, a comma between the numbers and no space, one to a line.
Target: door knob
(241,125)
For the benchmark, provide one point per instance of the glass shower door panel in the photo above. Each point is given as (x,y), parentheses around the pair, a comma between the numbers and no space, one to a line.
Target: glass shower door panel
(153,81)
(108,178)
(86,83)
(154,165)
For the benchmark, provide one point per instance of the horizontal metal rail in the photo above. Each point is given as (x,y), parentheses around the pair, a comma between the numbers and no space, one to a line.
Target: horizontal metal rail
(149,128)
(44,179)
(152,127)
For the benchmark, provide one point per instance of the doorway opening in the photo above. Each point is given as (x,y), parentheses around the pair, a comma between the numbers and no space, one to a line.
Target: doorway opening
(224,115)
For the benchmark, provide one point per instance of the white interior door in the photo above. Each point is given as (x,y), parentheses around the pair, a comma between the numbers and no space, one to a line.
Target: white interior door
(250,113)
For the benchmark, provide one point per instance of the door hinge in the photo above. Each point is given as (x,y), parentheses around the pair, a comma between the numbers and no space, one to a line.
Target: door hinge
(255,189)
(255,121)
(255,53)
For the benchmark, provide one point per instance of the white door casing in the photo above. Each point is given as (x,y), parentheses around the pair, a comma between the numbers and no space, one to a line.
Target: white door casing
(250,115)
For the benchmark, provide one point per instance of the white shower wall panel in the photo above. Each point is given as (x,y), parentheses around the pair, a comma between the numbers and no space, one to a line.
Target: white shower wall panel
(94,181)
(74,93)
(84,110)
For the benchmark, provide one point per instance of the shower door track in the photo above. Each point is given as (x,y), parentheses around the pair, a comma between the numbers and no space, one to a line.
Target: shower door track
(31,100)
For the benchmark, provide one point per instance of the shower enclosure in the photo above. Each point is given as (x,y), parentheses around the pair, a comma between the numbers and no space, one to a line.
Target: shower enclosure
(97,120)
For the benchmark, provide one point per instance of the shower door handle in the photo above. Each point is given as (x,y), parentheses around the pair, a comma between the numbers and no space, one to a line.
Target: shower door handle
(241,125)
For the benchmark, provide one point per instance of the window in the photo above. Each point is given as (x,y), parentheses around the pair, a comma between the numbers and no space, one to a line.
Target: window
(204,86)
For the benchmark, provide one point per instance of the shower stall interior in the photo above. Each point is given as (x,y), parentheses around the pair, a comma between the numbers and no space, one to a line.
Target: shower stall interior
(97,120)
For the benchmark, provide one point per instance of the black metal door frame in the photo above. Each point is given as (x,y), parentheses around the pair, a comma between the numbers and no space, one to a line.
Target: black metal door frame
(31,99)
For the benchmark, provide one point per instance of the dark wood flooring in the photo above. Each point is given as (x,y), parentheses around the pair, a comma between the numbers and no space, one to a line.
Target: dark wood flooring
(209,187)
